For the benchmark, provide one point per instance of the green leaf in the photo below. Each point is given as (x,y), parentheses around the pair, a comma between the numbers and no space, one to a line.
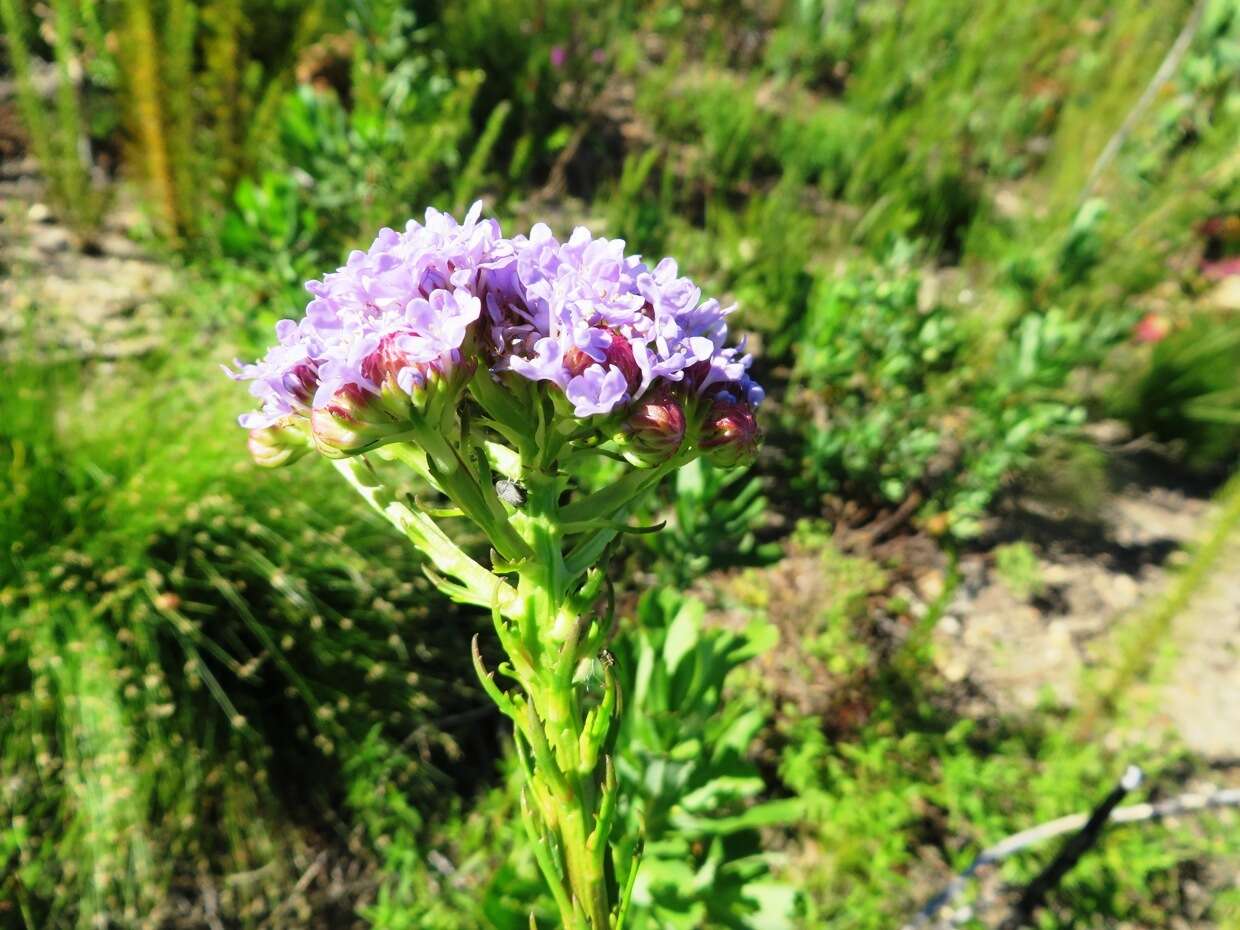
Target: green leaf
(769,814)
(719,791)
(683,634)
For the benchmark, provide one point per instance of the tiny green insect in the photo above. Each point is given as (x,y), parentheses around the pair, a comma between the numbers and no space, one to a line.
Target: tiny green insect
(594,678)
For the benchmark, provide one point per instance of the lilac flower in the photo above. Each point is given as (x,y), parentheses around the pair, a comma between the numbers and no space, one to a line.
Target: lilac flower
(409,345)
(582,297)
(284,380)
(596,390)
(420,306)
(402,309)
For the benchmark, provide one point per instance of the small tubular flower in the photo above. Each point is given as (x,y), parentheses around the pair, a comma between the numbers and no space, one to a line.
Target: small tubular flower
(284,380)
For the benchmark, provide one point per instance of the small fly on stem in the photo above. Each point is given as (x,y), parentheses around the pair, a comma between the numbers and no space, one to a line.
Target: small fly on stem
(595,676)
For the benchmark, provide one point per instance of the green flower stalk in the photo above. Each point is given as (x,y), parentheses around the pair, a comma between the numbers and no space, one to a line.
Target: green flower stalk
(492,368)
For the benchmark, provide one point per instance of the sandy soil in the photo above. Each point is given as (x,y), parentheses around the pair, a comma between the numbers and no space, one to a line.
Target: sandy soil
(1097,575)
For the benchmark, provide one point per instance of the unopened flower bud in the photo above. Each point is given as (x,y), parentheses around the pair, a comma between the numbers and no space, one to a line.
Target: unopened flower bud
(618,355)
(281,443)
(654,431)
(400,380)
(695,375)
(356,420)
(730,434)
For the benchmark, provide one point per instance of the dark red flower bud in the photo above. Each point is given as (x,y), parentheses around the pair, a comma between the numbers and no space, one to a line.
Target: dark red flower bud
(385,362)
(654,431)
(577,361)
(619,355)
(695,374)
(301,381)
(730,434)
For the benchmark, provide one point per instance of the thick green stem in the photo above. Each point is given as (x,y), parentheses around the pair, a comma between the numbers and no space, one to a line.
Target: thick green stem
(546,624)
(566,770)
(482,505)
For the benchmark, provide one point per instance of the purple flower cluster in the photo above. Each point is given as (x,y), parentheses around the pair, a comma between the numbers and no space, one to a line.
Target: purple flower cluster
(402,309)
(441,297)
(604,327)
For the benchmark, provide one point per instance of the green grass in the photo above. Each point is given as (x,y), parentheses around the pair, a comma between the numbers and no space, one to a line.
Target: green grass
(185,634)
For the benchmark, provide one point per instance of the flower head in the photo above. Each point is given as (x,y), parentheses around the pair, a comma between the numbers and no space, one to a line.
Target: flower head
(393,336)
(393,320)
(604,327)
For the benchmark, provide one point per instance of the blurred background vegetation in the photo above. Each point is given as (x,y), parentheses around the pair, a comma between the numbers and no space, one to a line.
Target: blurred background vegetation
(970,239)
